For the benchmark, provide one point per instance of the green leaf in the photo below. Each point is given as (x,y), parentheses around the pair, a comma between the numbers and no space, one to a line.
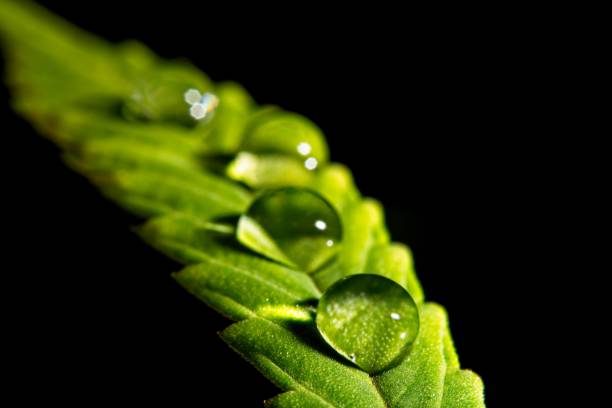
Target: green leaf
(118,114)
(220,281)
(225,131)
(269,171)
(424,367)
(363,230)
(198,194)
(293,362)
(462,389)
(184,238)
(395,262)
(296,399)
(335,183)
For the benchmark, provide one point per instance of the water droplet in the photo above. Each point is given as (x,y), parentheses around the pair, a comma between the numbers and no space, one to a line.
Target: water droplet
(304,148)
(349,318)
(285,133)
(291,225)
(352,357)
(311,163)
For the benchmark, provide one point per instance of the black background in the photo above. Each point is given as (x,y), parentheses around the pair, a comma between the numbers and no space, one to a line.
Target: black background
(440,118)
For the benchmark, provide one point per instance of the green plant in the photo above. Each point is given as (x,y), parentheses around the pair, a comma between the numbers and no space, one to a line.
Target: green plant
(219,194)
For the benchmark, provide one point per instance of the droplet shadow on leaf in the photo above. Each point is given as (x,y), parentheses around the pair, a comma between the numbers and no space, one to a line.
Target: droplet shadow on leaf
(215,163)
(310,336)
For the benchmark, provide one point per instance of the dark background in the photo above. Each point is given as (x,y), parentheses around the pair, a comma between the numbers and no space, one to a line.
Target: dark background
(441,118)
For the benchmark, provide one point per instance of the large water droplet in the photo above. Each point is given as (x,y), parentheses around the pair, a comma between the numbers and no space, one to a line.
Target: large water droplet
(294,226)
(369,319)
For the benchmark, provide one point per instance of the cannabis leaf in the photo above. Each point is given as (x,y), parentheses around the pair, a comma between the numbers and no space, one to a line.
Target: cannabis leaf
(119,115)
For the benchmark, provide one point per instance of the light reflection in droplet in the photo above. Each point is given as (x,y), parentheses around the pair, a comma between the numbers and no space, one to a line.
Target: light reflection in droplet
(304,148)
(395,316)
(403,335)
(321,225)
(329,243)
(192,96)
(245,163)
(197,110)
(311,163)
(201,105)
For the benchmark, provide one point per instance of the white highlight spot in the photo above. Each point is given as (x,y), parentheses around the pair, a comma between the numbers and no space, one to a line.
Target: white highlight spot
(329,243)
(304,148)
(352,357)
(321,225)
(198,111)
(193,96)
(395,316)
(311,163)
(244,164)
(403,335)
(201,105)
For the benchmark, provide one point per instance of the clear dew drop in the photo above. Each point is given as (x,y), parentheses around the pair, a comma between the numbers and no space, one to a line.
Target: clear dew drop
(349,320)
(294,226)
(288,134)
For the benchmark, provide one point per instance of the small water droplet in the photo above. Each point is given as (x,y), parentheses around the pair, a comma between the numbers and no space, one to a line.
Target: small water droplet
(301,139)
(352,357)
(395,316)
(403,335)
(311,163)
(329,243)
(304,148)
